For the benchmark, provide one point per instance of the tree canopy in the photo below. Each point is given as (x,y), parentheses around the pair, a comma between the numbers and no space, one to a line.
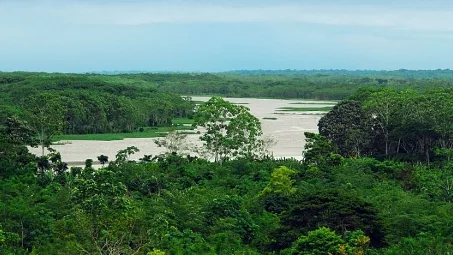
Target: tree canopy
(231,130)
(376,180)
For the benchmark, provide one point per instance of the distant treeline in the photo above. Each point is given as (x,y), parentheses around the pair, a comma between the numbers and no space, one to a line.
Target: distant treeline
(89,104)
(401,73)
(306,84)
(327,85)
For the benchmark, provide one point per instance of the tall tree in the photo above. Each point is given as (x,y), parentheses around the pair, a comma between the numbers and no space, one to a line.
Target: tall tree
(383,107)
(231,130)
(345,125)
(15,135)
(46,117)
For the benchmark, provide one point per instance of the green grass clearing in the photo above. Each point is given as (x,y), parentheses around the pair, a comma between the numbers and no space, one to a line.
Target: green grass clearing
(182,121)
(305,109)
(147,133)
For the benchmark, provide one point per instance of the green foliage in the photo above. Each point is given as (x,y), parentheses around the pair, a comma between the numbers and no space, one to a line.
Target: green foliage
(320,151)
(336,210)
(123,155)
(156,252)
(357,242)
(46,117)
(404,125)
(8,238)
(280,182)
(315,84)
(180,205)
(390,202)
(422,244)
(325,241)
(345,127)
(318,242)
(2,236)
(231,130)
(15,135)
(83,104)
(186,242)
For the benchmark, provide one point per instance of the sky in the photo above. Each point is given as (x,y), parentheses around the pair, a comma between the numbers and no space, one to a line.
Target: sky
(223,35)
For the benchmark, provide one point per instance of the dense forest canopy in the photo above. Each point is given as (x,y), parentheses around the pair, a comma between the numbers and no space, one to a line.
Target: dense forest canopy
(377,179)
(89,104)
(401,73)
(316,84)
(329,85)
(406,124)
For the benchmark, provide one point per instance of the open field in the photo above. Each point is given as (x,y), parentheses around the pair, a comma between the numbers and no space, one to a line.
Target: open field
(182,121)
(286,130)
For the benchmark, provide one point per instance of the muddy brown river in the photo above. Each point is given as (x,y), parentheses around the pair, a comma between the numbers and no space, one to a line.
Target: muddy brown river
(287,131)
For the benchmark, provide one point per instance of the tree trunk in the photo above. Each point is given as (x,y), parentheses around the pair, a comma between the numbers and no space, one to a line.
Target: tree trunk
(386,144)
(398,147)
(42,140)
(22,237)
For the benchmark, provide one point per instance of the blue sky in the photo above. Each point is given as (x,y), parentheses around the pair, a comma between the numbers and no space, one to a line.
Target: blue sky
(211,36)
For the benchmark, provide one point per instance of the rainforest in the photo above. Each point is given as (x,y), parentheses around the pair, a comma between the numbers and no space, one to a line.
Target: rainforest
(375,177)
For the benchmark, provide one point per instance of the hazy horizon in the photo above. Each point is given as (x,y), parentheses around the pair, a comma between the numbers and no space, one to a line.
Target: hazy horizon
(201,36)
(226,71)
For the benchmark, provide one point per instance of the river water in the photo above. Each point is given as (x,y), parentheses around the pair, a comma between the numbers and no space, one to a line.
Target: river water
(287,131)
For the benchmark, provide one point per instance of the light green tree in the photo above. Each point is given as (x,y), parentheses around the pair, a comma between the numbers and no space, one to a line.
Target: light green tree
(231,130)
(318,242)
(2,236)
(156,252)
(280,182)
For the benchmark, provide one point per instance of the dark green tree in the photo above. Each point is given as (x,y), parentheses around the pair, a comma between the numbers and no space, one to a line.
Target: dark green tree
(319,151)
(103,159)
(346,126)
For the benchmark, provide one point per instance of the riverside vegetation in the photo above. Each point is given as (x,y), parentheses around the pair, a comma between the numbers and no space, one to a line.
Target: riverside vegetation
(377,179)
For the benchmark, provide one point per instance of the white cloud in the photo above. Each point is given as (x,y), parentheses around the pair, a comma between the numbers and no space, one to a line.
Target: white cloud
(138,13)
